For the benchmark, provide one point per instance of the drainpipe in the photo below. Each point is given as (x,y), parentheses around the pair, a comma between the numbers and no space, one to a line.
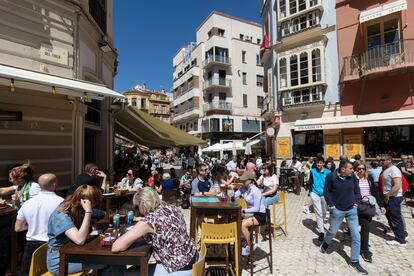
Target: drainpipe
(76,47)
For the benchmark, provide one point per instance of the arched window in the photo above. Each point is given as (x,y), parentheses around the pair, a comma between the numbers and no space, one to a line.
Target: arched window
(304,74)
(294,70)
(316,65)
(283,73)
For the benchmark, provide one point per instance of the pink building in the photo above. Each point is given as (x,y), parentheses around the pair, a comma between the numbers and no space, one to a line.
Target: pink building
(376,63)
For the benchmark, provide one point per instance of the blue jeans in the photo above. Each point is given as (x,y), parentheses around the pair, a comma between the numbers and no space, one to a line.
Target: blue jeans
(157,270)
(269,200)
(335,219)
(395,220)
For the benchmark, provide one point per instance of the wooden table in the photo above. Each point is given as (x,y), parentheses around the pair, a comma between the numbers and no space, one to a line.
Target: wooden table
(199,209)
(124,197)
(92,253)
(12,212)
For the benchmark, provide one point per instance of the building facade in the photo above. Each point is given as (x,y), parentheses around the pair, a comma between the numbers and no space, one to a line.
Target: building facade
(376,59)
(299,54)
(56,74)
(155,103)
(218,81)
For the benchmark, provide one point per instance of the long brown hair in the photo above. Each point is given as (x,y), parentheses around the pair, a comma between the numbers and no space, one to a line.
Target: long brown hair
(24,172)
(72,205)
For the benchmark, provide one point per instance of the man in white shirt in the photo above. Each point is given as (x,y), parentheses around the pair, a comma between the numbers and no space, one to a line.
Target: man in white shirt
(296,166)
(232,164)
(34,215)
(393,197)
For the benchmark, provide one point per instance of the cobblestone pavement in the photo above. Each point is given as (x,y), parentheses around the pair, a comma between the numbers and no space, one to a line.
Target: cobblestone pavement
(298,253)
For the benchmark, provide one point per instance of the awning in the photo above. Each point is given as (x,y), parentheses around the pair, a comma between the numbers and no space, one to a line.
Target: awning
(179,137)
(143,129)
(395,118)
(383,10)
(240,145)
(36,80)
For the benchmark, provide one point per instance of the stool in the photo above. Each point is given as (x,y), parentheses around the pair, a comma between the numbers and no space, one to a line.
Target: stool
(281,201)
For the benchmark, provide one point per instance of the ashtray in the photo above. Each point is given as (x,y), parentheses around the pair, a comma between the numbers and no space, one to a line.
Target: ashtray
(223,199)
(107,241)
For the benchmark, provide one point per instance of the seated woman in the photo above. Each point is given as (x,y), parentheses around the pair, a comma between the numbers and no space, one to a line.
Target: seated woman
(255,206)
(131,181)
(162,226)
(167,183)
(24,186)
(70,222)
(269,181)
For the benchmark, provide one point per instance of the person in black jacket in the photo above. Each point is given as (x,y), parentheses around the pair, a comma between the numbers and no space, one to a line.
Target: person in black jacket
(92,176)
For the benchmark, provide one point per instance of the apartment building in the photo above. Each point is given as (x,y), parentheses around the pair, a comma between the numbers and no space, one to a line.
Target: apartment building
(218,81)
(155,103)
(57,64)
(299,54)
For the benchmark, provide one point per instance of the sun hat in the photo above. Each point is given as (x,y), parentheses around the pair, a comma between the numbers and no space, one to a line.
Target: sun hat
(247,175)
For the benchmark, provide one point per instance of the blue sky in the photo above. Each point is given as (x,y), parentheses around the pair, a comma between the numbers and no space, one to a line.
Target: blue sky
(147,33)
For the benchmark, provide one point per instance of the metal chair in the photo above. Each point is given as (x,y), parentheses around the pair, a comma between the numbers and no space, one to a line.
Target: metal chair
(281,201)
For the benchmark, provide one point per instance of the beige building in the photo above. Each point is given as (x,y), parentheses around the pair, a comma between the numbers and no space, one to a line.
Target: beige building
(57,64)
(155,103)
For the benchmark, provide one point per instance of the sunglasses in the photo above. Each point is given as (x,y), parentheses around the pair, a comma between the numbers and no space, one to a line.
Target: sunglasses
(129,174)
(360,169)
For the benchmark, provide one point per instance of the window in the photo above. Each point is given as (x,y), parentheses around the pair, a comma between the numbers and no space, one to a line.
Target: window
(259,80)
(244,100)
(258,61)
(244,78)
(220,32)
(241,36)
(295,6)
(143,103)
(205,126)
(316,65)
(195,125)
(302,5)
(250,126)
(294,70)
(209,34)
(244,56)
(260,101)
(282,8)
(301,68)
(259,41)
(134,102)
(292,6)
(301,23)
(222,96)
(283,73)
(194,62)
(190,83)
(97,9)
(304,74)
(302,96)
(210,98)
(383,31)
(214,125)
(227,125)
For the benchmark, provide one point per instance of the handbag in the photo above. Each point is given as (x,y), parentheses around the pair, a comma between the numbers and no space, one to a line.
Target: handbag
(365,209)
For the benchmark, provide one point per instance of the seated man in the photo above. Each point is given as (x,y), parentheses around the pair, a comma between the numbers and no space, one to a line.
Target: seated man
(34,215)
(201,185)
(92,176)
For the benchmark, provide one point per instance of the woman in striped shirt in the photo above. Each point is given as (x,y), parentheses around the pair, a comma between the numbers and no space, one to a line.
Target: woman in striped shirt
(365,222)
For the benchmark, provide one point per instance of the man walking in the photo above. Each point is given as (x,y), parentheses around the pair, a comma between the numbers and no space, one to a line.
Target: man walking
(34,215)
(343,195)
(316,189)
(393,197)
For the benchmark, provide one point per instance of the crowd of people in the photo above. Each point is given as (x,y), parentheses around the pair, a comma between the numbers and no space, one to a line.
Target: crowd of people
(353,191)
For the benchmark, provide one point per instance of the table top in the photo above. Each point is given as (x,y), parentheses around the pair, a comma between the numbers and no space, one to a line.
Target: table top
(118,195)
(92,247)
(216,205)
(7,211)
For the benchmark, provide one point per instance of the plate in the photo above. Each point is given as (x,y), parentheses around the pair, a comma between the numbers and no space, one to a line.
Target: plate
(108,239)
(109,194)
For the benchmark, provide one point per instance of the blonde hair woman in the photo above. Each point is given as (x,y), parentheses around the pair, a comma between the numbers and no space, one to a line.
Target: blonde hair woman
(162,226)
(70,222)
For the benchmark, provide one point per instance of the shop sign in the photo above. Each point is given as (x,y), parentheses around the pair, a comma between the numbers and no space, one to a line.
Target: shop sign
(277,120)
(352,145)
(54,54)
(283,147)
(332,146)
(309,127)
(270,132)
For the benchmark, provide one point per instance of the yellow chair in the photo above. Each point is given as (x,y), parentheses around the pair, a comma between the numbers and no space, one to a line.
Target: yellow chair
(242,202)
(224,233)
(281,201)
(199,267)
(38,265)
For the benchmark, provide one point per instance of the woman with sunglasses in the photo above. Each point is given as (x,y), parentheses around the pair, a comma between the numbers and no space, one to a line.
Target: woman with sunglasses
(24,186)
(131,181)
(162,226)
(71,222)
(368,190)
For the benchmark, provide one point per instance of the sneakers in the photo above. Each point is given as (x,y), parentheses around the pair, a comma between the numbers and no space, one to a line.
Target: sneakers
(394,242)
(359,268)
(321,237)
(246,251)
(367,256)
(406,236)
(306,209)
(324,247)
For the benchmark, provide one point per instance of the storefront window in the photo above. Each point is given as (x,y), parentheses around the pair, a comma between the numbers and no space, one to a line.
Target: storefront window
(228,125)
(307,143)
(390,140)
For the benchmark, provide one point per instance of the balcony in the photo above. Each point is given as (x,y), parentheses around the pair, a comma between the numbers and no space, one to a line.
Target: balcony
(379,60)
(216,83)
(159,112)
(303,98)
(212,60)
(217,107)
(185,115)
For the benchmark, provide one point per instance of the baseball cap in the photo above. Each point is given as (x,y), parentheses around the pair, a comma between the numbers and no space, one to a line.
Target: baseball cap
(247,175)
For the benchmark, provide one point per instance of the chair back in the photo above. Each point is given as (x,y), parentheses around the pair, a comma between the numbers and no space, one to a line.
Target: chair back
(218,233)
(199,267)
(281,197)
(242,203)
(38,265)
(170,196)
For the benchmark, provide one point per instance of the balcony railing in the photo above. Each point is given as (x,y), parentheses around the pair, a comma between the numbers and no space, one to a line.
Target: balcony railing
(212,82)
(217,105)
(312,97)
(379,59)
(216,59)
